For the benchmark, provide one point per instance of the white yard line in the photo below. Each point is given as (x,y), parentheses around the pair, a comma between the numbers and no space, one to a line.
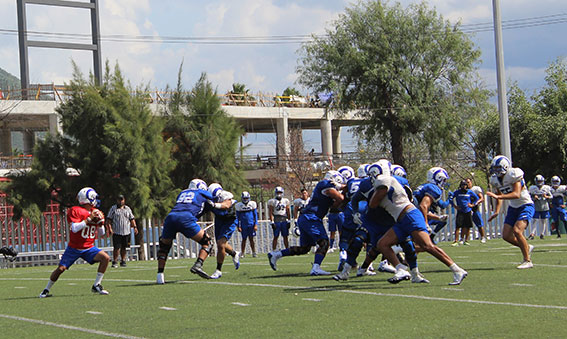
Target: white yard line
(295,287)
(165,308)
(68,327)
(240,304)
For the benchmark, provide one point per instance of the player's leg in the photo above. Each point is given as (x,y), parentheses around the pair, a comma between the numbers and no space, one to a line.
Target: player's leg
(305,243)
(252,246)
(115,249)
(205,241)
(96,255)
(123,247)
(457,234)
(67,259)
(284,228)
(465,233)
(276,230)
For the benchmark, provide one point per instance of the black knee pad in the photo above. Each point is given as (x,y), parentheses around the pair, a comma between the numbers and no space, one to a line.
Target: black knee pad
(299,250)
(323,246)
(373,253)
(205,240)
(164,248)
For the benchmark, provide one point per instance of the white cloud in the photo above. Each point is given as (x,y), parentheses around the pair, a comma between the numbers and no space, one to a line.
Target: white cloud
(223,79)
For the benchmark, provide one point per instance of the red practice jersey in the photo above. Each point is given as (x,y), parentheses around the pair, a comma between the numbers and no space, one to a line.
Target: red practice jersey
(84,238)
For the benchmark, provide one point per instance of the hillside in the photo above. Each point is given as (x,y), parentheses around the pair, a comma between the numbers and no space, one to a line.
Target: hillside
(8,81)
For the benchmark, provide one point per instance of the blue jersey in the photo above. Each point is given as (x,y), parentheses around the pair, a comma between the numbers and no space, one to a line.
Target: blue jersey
(195,202)
(462,199)
(320,203)
(433,191)
(376,215)
(352,187)
(247,214)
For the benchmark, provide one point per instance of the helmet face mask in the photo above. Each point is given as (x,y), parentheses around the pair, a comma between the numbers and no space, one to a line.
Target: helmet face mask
(362,171)
(335,177)
(438,176)
(399,171)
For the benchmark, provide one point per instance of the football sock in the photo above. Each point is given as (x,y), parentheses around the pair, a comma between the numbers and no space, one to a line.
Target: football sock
(332,243)
(219,266)
(318,258)
(232,253)
(160,270)
(98,279)
(49,284)
(454,267)
(199,262)
(284,253)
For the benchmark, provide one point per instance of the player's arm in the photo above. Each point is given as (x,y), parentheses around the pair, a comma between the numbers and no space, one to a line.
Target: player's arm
(336,196)
(379,194)
(271,212)
(498,204)
(480,198)
(288,212)
(515,194)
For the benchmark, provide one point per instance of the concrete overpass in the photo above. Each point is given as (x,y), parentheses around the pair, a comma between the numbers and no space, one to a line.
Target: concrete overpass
(34,118)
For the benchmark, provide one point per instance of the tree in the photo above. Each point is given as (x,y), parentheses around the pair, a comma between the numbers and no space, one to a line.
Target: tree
(205,138)
(537,127)
(239,95)
(112,140)
(406,70)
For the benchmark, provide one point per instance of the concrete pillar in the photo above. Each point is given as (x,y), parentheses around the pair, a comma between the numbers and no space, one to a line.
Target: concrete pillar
(55,124)
(337,149)
(5,142)
(282,136)
(326,138)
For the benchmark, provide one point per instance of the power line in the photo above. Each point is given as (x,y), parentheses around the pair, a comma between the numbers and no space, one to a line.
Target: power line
(276,39)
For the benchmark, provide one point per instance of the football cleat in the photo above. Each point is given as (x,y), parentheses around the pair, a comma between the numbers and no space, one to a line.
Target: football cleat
(45,294)
(198,270)
(114,264)
(418,278)
(272,259)
(216,275)
(98,289)
(455,244)
(254,255)
(525,264)
(530,249)
(458,277)
(316,270)
(160,279)
(384,266)
(235,261)
(341,265)
(400,275)
(344,273)
(466,243)
(483,240)
(364,272)
(122,264)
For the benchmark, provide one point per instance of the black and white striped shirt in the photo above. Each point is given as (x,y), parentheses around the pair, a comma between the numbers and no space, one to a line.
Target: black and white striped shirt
(120,218)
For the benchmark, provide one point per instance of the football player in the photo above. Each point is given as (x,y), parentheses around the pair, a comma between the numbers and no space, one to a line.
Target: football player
(477,217)
(463,201)
(225,225)
(508,183)
(279,213)
(541,194)
(428,198)
(558,214)
(247,216)
(190,205)
(327,193)
(391,195)
(86,223)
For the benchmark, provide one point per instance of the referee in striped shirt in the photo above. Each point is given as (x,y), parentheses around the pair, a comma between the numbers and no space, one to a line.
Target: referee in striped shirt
(119,220)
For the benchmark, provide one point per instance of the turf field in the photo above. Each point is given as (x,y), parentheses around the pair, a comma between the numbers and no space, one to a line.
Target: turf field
(495,300)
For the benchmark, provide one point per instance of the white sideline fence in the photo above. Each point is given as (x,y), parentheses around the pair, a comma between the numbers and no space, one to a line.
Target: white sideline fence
(44,244)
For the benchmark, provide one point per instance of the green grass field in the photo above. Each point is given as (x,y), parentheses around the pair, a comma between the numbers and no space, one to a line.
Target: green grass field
(495,300)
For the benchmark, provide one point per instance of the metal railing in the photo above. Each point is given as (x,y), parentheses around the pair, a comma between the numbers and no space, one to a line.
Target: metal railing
(51,92)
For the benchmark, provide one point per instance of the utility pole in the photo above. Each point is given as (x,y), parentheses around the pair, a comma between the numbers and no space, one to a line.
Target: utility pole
(505,147)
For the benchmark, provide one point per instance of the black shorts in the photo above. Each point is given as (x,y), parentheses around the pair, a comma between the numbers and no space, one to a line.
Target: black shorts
(464,220)
(120,241)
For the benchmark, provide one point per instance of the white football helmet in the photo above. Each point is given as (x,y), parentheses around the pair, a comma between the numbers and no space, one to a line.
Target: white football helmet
(539,180)
(296,232)
(335,177)
(437,176)
(500,165)
(197,184)
(362,171)
(87,195)
(245,197)
(555,181)
(380,167)
(346,171)
(279,192)
(399,171)
(215,189)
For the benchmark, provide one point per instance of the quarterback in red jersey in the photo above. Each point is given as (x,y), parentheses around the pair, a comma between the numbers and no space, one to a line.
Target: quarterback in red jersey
(86,223)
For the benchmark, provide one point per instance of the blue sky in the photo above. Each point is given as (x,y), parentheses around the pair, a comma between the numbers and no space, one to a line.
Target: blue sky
(267,68)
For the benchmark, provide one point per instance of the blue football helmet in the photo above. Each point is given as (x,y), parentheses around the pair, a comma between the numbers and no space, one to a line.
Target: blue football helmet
(438,176)
(245,197)
(346,171)
(399,171)
(500,165)
(197,184)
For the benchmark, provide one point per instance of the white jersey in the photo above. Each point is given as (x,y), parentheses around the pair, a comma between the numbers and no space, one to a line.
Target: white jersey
(280,206)
(506,185)
(242,207)
(538,196)
(299,203)
(560,191)
(477,190)
(396,200)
